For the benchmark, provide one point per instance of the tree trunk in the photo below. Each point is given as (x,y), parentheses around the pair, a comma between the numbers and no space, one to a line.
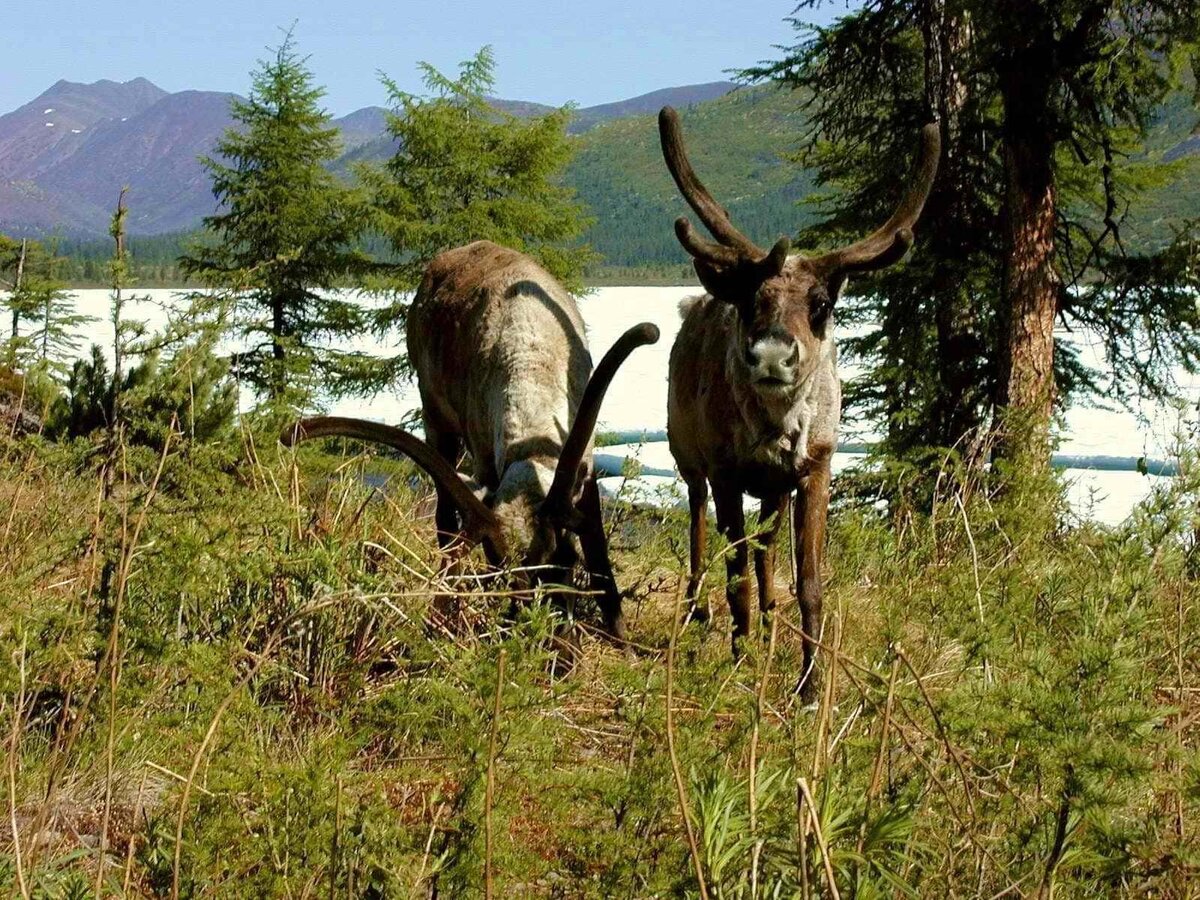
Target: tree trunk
(16,310)
(956,408)
(118,301)
(278,327)
(1030,280)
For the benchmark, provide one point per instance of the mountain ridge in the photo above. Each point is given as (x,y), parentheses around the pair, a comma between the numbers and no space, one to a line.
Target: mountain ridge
(66,154)
(135,134)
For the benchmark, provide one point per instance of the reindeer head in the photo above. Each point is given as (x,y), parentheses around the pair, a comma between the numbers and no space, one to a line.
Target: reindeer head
(783,302)
(521,523)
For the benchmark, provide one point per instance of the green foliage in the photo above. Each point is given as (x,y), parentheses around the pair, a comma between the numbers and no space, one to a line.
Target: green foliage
(289,631)
(737,144)
(190,393)
(42,312)
(873,79)
(463,171)
(283,239)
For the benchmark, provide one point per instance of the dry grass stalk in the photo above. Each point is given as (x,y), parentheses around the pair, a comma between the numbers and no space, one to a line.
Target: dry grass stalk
(816,826)
(13,749)
(676,770)
(490,790)
(759,702)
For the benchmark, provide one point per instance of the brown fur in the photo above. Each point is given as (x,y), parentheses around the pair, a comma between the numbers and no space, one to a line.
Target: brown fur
(502,363)
(754,398)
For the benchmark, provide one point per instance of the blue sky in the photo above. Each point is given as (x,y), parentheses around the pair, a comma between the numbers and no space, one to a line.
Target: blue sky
(546,51)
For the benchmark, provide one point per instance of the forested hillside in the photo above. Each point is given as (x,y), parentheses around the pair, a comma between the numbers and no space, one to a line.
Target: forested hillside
(741,144)
(737,143)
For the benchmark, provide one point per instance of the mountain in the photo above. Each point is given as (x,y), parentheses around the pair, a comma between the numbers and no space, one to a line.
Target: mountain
(102,136)
(361,126)
(65,155)
(381,146)
(56,124)
(157,154)
(648,104)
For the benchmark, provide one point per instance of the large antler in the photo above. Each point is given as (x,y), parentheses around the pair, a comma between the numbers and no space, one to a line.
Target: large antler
(888,243)
(480,522)
(558,500)
(732,247)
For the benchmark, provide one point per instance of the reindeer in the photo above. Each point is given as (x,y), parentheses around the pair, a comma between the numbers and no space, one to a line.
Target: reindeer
(502,365)
(754,399)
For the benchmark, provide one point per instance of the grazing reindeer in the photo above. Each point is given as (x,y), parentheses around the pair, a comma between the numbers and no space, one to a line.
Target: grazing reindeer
(502,364)
(754,397)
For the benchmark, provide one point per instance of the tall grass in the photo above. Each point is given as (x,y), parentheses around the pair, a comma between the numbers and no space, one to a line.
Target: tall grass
(280,690)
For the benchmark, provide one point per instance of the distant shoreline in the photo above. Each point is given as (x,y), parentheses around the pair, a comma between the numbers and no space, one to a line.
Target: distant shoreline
(616,276)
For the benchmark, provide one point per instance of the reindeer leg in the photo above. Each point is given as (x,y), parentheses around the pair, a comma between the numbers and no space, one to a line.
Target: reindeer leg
(446,606)
(731,520)
(698,537)
(595,554)
(445,517)
(770,517)
(812,508)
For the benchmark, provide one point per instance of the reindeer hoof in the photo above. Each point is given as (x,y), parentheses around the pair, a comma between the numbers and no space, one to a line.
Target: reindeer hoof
(566,650)
(739,646)
(809,686)
(765,623)
(615,629)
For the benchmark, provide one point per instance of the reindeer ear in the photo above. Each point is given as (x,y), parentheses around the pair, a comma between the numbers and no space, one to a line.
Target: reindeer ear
(714,279)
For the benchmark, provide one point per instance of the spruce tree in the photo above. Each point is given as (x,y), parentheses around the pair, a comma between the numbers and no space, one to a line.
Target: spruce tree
(44,336)
(466,171)
(284,238)
(1025,225)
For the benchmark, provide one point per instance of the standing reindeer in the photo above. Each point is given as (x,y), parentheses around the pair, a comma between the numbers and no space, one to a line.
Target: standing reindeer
(754,397)
(502,365)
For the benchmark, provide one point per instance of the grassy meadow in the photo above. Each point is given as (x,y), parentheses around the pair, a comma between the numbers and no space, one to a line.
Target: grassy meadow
(235,671)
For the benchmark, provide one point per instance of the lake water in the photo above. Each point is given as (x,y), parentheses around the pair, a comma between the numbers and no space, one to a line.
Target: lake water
(637,399)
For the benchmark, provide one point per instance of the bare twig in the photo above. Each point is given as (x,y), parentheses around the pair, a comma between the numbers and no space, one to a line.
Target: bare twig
(759,701)
(816,824)
(1061,833)
(680,788)
(937,720)
(18,712)
(490,790)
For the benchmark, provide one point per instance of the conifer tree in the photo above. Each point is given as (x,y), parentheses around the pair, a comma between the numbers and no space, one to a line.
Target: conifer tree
(1024,228)
(284,237)
(466,171)
(44,337)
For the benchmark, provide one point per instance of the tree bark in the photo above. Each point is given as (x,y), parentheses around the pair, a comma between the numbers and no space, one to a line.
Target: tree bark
(16,310)
(956,408)
(278,328)
(1030,280)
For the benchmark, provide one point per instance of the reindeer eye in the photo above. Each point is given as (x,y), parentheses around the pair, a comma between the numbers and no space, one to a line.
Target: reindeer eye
(819,306)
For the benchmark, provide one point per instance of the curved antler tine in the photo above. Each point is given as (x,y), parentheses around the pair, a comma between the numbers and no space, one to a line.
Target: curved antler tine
(714,217)
(558,500)
(481,523)
(699,247)
(887,244)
